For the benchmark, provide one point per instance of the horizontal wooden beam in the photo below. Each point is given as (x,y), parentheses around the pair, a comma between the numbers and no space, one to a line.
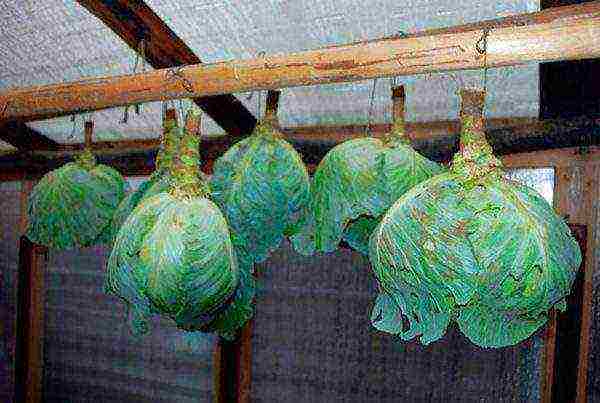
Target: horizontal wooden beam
(436,140)
(24,138)
(136,21)
(510,131)
(562,33)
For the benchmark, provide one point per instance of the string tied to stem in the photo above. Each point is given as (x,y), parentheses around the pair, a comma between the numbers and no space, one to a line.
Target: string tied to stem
(140,54)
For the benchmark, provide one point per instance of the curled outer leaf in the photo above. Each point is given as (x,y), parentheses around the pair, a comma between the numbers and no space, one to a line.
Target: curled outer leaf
(362,177)
(474,247)
(241,307)
(262,186)
(358,233)
(72,205)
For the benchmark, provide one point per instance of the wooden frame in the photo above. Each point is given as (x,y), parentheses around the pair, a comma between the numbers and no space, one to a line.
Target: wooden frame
(242,348)
(29,358)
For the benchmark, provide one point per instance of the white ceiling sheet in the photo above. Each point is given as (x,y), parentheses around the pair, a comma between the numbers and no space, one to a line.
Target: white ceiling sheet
(220,30)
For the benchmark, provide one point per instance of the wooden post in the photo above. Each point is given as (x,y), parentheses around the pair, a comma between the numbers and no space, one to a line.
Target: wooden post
(88,133)
(592,209)
(233,367)
(398,107)
(30,322)
(562,33)
(561,203)
(271,107)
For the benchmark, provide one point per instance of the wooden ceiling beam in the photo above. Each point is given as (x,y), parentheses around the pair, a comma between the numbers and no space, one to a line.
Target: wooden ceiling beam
(135,21)
(562,33)
(24,138)
(436,140)
(515,129)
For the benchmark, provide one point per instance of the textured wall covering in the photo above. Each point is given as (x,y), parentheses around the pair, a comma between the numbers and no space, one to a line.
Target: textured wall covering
(90,355)
(313,343)
(9,258)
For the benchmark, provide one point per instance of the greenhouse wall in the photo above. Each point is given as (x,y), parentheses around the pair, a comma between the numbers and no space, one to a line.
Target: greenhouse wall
(91,355)
(313,342)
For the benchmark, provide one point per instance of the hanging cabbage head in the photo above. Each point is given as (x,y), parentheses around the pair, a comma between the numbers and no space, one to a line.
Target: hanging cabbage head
(471,246)
(262,186)
(72,206)
(361,178)
(174,255)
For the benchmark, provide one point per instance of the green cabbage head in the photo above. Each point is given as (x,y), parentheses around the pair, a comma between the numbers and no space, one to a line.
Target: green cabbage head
(72,206)
(472,247)
(174,256)
(263,187)
(355,184)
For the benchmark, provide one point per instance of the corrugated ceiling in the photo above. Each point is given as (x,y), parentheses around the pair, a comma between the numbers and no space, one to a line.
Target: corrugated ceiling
(54,41)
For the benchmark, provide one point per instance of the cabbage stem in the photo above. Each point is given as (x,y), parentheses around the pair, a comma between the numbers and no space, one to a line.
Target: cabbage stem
(186,172)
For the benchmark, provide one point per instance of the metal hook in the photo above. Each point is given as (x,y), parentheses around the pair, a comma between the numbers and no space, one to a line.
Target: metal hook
(481,45)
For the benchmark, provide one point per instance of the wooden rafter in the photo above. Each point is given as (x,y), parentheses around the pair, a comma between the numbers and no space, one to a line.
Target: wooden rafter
(437,140)
(135,21)
(563,33)
(24,138)
(512,132)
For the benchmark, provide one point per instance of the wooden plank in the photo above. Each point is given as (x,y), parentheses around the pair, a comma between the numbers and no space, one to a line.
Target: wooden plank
(548,359)
(562,338)
(531,132)
(24,138)
(135,21)
(561,204)
(30,322)
(592,207)
(562,33)
(244,367)
(568,330)
(561,157)
(233,367)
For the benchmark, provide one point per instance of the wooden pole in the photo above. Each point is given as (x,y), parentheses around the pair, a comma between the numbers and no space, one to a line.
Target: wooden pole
(30,322)
(88,133)
(271,107)
(562,33)
(398,106)
(135,21)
